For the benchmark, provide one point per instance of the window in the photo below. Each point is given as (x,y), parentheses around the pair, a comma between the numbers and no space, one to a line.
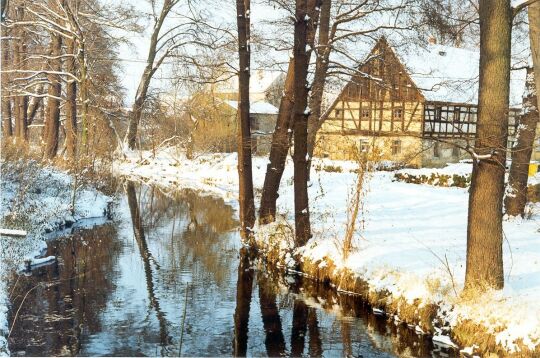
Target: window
(436,150)
(396,147)
(364,146)
(338,113)
(366,113)
(398,113)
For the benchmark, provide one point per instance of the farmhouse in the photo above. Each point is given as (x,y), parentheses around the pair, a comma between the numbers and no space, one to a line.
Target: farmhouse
(416,107)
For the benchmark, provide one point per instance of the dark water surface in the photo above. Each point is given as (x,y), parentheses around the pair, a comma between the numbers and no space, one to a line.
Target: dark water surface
(169,277)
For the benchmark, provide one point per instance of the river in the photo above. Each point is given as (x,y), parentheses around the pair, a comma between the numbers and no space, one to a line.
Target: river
(168,276)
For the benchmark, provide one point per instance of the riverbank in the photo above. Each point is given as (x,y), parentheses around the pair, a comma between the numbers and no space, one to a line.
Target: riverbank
(408,257)
(38,200)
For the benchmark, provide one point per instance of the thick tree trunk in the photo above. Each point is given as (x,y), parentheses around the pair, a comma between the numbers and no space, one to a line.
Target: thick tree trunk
(244,289)
(53,102)
(281,138)
(278,150)
(71,103)
(6,99)
(321,68)
(516,197)
(135,118)
(247,204)
(301,113)
(484,230)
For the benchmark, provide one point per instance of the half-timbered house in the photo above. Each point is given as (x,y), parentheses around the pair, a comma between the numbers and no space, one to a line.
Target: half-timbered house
(417,107)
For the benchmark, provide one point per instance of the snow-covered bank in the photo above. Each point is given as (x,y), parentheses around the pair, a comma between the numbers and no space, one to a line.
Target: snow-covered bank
(410,249)
(37,200)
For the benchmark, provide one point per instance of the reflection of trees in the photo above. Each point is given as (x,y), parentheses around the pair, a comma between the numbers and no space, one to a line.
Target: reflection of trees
(146,256)
(72,295)
(244,288)
(315,343)
(274,340)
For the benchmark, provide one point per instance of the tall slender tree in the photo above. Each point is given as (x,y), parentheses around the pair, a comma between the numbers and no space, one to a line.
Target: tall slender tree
(19,61)
(52,126)
(534,36)
(6,99)
(247,204)
(484,229)
(278,150)
(516,197)
(283,131)
(71,101)
(322,63)
(301,112)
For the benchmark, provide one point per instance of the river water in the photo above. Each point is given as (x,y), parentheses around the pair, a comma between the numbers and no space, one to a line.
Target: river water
(169,277)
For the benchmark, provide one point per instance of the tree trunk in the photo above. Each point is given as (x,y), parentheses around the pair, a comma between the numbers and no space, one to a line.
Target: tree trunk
(516,198)
(534,36)
(144,83)
(6,99)
(244,288)
(71,103)
(278,150)
(281,138)
(247,205)
(53,102)
(301,113)
(34,106)
(484,230)
(321,68)
(19,60)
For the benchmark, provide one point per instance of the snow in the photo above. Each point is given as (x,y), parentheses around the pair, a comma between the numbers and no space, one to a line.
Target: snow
(258,107)
(407,233)
(450,74)
(260,81)
(39,202)
(444,340)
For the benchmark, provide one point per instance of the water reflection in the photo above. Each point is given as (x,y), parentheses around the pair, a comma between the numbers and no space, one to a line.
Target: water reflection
(169,277)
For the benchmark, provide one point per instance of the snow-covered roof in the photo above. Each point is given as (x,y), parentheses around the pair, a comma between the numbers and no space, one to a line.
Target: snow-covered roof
(259,107)
(450,74)
(259,82)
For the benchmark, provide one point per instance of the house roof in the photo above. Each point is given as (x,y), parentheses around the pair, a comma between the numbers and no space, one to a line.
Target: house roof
(259,82)
(449,74)
(259,107)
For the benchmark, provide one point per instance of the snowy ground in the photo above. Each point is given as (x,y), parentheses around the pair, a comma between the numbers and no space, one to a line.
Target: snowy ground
(409,233)
(37,200)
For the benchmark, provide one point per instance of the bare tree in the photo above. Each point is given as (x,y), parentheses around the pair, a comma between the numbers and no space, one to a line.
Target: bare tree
(6,99)
(283,131)
(516,197)
(247,204)
(52,126)
(534,35)
(301,113)
(19,61)
(484,230)
(335,37)
(71,101)
(158,42)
